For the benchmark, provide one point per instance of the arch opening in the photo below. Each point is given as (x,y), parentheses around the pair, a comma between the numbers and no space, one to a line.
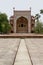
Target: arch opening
(22,25)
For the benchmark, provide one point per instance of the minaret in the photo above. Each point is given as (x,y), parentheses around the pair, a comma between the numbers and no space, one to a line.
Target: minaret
(30,8)
(13,10)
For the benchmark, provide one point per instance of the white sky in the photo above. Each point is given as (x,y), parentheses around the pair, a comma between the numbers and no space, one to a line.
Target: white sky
(7,6)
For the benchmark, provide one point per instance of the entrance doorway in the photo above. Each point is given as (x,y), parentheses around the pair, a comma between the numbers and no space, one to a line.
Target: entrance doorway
(22,25)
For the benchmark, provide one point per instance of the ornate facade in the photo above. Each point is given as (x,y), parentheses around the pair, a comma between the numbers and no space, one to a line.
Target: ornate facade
(22,22)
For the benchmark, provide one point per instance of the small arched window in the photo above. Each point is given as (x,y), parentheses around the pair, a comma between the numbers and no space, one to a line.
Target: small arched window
(21,25)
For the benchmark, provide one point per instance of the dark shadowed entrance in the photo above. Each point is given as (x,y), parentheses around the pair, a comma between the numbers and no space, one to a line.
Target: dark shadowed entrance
(22,25)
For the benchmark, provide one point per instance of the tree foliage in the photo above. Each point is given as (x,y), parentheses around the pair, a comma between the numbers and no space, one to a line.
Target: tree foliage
(3,17)
(41,11)
(37,16)
(5,27)
(39,27)
(4,23)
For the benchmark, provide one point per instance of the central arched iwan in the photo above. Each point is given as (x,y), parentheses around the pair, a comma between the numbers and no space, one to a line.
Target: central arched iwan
(22,25)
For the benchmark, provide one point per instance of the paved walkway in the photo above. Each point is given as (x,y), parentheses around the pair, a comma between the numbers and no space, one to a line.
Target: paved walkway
(8,50)
(35,49)
(16,51)
(22,57)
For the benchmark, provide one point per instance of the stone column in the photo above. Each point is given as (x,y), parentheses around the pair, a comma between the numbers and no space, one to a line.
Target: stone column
(30,26)
(14,20)
(14,26)
(29,23)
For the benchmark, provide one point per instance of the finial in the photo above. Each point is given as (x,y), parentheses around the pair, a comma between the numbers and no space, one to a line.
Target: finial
(30,8)
(13,8)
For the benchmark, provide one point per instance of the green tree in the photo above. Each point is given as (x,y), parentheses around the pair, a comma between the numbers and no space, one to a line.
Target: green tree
(5,27)
(37,16)
(41,11)
(3,17)
(39,27)
(4,23)
(0,28)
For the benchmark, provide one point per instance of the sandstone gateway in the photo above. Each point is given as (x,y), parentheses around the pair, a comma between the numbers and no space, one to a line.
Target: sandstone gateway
(22,21)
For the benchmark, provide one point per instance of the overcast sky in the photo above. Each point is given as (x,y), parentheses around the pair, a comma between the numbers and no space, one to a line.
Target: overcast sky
(7,6)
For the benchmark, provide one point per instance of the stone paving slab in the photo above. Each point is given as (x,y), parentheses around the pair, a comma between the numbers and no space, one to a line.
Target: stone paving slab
(22,57)
(8,49)
(35,49)
(9,46)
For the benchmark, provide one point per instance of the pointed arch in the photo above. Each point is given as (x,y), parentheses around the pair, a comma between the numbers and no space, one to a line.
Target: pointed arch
(22,25)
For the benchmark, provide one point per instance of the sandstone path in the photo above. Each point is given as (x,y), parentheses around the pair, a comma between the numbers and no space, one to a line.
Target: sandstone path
(22,57)
(17,51)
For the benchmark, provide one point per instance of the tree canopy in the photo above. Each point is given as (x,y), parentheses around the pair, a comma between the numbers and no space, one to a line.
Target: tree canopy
(37,16)
(3,17)
(41,11)
(4,23)
(39,27)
